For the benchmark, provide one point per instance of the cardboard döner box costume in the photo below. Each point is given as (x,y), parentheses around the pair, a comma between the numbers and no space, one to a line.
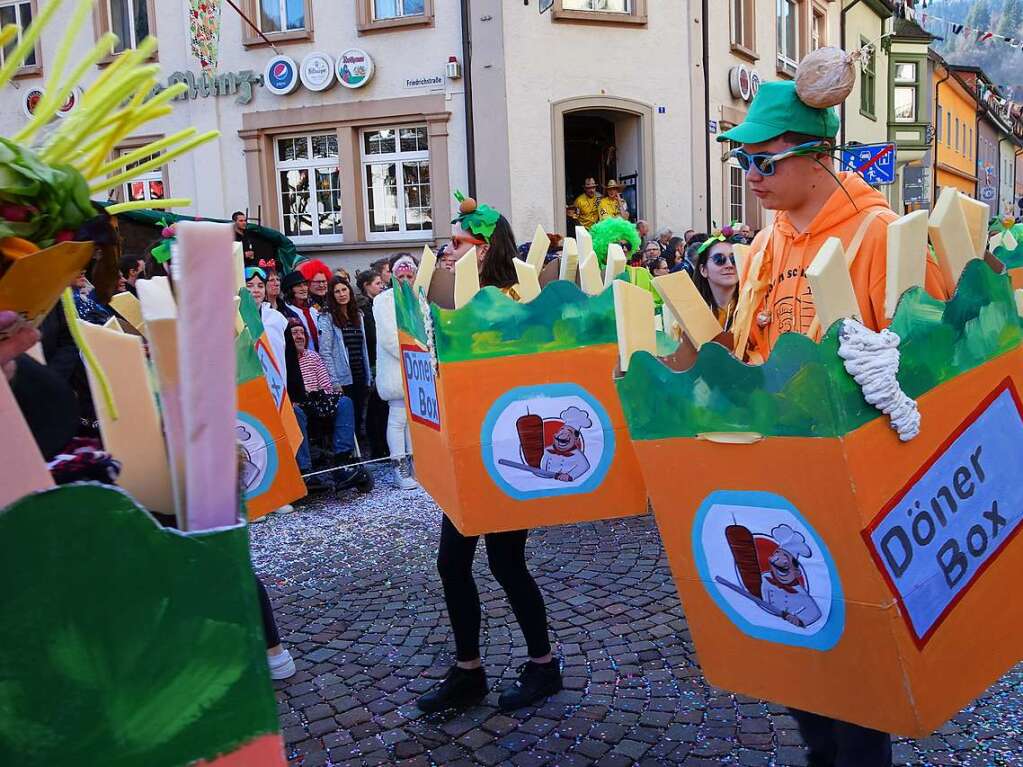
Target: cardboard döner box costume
(513,415)
(132,643)
(826,562)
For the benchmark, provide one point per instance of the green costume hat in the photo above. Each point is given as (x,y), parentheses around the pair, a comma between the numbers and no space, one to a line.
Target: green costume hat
(777,109)
(614,230)
(479,219)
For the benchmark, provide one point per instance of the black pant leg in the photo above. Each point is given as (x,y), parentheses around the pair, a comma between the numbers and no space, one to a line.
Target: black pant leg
(376,424)
(454,563)
(507,555)
(861,746)
(266,612)
(834,743)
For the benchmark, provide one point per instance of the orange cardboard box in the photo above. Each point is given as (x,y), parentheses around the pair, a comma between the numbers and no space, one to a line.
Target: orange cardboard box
(512,431)
(828,566)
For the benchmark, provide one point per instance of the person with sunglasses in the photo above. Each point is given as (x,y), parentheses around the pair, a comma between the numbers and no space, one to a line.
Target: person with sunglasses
(716,277)
(785,148)
(465,684)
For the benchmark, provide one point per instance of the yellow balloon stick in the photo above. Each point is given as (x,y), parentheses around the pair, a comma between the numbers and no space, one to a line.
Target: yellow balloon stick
(156,162)
(172,202)
(145,151)
(67,302)
(16,58)
(126,60)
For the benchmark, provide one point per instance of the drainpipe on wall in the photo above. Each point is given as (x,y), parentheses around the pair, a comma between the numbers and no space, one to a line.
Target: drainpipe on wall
(470,131)
(841,37)
(937,106)
(706,105)
(998,210)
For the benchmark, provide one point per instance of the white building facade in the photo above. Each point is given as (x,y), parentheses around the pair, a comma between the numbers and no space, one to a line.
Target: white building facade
(346,127)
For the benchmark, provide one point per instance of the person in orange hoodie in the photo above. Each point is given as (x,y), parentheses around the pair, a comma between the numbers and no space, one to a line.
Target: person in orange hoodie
(786,154)
(786,149)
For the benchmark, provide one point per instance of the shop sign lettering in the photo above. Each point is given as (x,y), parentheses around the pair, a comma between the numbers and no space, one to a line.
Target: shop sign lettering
(420,386)
(202,85)
(933,541)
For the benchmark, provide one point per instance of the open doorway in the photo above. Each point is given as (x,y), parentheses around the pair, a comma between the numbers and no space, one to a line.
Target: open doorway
(604,144)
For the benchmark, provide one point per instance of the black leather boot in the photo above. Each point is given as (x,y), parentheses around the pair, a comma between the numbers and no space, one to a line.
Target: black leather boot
(460,688)
(536,681)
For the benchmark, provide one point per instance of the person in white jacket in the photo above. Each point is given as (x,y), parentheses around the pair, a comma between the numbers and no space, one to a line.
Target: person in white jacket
(389,381)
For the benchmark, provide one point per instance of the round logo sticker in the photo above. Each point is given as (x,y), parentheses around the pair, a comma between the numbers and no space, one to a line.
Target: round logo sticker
(354,68)
(541,441)
(768,570)
(317,71)
(259,461)
(31,100)
(281,75)
(74,98)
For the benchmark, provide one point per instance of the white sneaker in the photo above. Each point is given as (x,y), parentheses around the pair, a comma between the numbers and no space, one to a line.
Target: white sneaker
(285,509)
(281,666)
(402,475)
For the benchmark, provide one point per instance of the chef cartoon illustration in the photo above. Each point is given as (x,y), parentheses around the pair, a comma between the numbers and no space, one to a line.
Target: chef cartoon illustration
(781,586)
(565,459)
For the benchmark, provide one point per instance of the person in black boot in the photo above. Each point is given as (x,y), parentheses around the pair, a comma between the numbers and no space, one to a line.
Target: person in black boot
(466,683)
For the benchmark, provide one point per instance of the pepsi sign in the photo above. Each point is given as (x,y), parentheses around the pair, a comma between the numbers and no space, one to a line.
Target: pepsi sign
(281,75)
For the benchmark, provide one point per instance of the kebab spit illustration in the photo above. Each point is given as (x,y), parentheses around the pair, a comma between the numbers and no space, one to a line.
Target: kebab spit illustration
(744,552)
(530,431)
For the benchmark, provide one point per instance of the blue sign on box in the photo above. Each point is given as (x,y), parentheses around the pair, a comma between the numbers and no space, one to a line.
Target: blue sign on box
(940,532)
(875,162)
(420,386)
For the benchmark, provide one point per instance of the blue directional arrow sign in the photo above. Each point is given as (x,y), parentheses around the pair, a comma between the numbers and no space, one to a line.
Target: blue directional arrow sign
(875,162)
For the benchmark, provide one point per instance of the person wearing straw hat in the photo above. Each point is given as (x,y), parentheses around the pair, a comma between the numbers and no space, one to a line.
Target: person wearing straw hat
(613,205)
(583,209)
(785,148)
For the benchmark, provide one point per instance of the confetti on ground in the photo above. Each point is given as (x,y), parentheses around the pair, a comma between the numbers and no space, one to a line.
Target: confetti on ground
(356,594)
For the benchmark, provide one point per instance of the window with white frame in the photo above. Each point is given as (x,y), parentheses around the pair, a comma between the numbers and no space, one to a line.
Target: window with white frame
(904,92)
(147,186)
(20,15)
(281,15)
(818,29)
(396,177)
(612,6)
(736,193)
(129,20)
(788,34)
(309,186)
(397,9)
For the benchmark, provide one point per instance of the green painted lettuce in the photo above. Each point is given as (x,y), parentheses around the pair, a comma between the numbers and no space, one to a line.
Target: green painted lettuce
(788,395)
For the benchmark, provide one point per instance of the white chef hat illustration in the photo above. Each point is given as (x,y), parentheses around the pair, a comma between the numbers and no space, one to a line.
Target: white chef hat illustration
(792,541)
(576,418)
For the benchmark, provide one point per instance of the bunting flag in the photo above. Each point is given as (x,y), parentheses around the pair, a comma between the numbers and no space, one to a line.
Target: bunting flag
(204,26)
(983,36)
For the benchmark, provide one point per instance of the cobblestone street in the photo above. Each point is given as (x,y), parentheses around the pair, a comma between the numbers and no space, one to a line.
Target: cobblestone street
(359,603)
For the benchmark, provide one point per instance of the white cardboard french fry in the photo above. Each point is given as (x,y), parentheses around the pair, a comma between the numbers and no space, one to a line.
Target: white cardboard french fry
(589,275)
(977,214)
(583,241)
(238,258)
(128,307)
(687,307)
(634,321)
(616,263)
(135,436)
(528,286)
(206,289)
(569,260)
(907,258)
(538,249)
(23,469)
(953,243)
(741,253)
(160,313)
(467,278)
(427,265)
(833,293)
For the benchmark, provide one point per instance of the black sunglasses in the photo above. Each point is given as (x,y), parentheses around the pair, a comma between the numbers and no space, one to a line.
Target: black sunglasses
(719,259)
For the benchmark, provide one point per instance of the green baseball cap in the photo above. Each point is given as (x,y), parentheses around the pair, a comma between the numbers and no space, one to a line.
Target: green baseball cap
(776,109)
